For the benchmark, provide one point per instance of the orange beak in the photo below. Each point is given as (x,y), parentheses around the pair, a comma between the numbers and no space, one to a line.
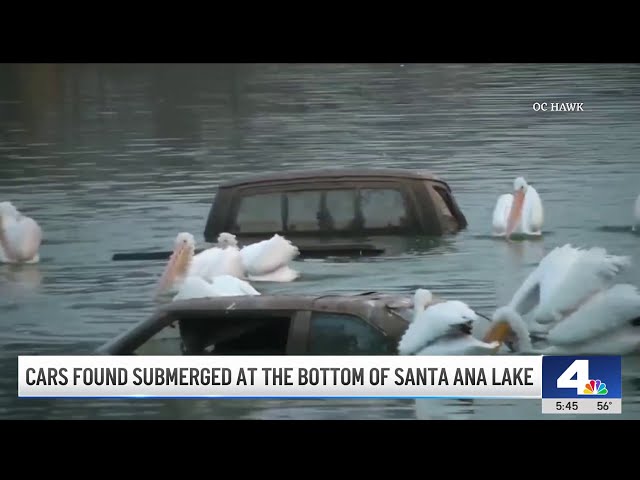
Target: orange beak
(516,212)
(177,265)
(499,332)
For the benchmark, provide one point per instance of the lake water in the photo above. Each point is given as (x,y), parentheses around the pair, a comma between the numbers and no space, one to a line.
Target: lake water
(121,157)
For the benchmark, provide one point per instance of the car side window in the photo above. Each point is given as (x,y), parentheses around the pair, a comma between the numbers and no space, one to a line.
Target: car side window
(383,208)
(343,334)
(260,213)
(302,211)
(338,210)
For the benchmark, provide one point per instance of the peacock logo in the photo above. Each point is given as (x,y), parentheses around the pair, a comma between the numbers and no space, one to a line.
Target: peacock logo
(595,387)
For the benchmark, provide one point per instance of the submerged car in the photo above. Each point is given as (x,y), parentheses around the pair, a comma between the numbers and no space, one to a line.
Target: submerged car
(363,324)
(321,209)
(332,212)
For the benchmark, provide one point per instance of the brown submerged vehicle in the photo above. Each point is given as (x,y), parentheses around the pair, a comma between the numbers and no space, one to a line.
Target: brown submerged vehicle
(363,324)
(332,212)
(359,209)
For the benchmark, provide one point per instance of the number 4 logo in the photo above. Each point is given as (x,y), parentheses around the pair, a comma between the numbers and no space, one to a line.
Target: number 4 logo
(579,369)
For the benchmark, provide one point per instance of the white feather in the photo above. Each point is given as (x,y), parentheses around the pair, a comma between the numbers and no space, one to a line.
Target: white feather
(532,213)
(501,213)
(605,312)
(228,285)
(229,263)
(602,326)
(194,287)
(459,346)
(204,263)
(569,283)
(439,330)
(564,279)
(22,234)
(268,260)
(8,209)
(527,297)
(221,286)
(529,294)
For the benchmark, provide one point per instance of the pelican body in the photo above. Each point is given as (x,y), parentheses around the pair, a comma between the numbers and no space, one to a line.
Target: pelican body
(20,236)
(442,328)
(183,263)
(267,260)
(262,261)
(520,212)
(607,324)
(220,286)
(573,305)
(563,281)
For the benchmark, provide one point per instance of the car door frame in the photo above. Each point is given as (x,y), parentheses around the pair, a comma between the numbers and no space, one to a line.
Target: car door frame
(297,343)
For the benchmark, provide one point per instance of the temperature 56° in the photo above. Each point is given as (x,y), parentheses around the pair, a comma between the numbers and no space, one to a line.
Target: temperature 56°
(604,405)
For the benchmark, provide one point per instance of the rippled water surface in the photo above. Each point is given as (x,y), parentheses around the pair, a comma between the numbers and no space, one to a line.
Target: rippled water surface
(122,157)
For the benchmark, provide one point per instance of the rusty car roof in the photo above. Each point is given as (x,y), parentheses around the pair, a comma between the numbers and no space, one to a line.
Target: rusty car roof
(337,302)
(324,173)
(362,305)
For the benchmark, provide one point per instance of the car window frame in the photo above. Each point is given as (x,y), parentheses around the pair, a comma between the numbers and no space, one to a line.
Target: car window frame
(405,189)
(171,321)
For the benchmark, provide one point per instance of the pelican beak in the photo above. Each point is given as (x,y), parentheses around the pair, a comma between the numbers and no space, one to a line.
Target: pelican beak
(516,212)
(499,332)
(176,266)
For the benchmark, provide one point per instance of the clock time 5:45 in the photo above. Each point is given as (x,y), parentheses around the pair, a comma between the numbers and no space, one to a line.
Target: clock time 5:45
(567,406)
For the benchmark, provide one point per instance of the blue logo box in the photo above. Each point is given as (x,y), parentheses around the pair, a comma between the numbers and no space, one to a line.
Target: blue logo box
(598,377)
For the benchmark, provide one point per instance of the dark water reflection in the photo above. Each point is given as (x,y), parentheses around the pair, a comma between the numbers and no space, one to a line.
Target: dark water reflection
(121,157)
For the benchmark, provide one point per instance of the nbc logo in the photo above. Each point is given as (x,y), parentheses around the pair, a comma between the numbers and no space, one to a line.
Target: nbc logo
(595,387)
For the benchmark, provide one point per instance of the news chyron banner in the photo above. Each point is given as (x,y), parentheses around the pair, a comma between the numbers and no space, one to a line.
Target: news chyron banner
(565,384)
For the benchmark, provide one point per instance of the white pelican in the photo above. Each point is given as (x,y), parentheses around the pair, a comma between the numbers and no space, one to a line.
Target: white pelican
(220,286)
(520,213)
(607,324)
(574,305)
(263,261)
(183,263)
(20,236)
(442,328)
(636,214)
(564,280)
(267,261)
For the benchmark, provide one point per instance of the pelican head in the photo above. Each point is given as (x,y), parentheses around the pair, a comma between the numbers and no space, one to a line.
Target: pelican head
(520,184)
(508,328)
(183,250)
(421,299)
(227,240)
(519,191)
(9,210)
